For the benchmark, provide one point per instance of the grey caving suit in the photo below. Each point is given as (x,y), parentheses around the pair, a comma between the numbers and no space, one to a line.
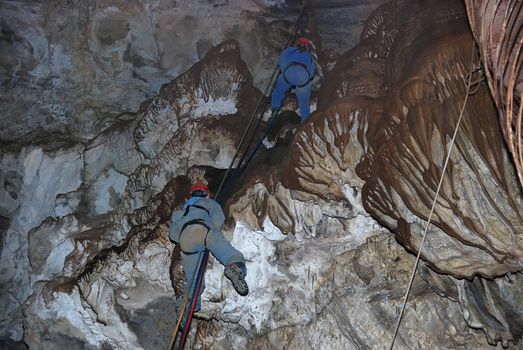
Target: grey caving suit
(198,227)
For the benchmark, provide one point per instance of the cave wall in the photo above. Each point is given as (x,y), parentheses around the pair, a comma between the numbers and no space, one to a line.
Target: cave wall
(70,69)
(398,97)
(496,27)
(328,216)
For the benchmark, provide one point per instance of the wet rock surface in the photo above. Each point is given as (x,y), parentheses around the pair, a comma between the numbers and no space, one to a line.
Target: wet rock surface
(329,214)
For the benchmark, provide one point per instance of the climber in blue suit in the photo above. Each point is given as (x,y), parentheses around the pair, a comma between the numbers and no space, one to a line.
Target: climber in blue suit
(296,70)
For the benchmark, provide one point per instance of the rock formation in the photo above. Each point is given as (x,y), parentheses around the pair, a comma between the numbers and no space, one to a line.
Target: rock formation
(496,26)
(399,97)
(329,215)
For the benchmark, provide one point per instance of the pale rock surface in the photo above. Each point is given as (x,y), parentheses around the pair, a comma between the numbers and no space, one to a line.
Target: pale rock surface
(81,195)
(300,296)
(86,262)
(44,176)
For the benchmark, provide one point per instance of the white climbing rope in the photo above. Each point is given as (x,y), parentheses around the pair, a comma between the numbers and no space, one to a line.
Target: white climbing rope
(434,202)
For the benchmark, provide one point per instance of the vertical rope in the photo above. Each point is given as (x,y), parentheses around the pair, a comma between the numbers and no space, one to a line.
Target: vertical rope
(195,295)
(185,302)
(434,203)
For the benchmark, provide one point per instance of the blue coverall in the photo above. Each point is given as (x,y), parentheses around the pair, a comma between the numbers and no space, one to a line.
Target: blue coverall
(297,70)
(196,237)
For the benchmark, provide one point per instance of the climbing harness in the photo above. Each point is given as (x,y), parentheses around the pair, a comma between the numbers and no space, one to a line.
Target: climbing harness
(194,222)
(220,197)
(192,204)
(468,92)
(299,64)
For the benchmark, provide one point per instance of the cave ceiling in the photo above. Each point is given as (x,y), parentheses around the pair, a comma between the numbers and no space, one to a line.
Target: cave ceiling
(130,58)
(110,109)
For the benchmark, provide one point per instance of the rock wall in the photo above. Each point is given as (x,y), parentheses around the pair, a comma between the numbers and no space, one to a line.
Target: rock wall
(399,95)
(495,25)
(327,215)
(71,68)
(76,205)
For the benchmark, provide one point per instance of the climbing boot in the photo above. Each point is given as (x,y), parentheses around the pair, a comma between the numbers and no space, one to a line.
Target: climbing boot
(274,115)
(236,273)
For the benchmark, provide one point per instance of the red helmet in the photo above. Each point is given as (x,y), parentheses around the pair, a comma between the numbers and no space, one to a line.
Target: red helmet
(199,186)
(304,42)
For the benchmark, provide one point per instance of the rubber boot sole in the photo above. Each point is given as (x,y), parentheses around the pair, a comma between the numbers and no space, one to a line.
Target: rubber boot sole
(238,281)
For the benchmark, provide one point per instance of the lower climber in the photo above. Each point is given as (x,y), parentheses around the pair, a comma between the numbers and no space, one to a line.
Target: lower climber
(197,227)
